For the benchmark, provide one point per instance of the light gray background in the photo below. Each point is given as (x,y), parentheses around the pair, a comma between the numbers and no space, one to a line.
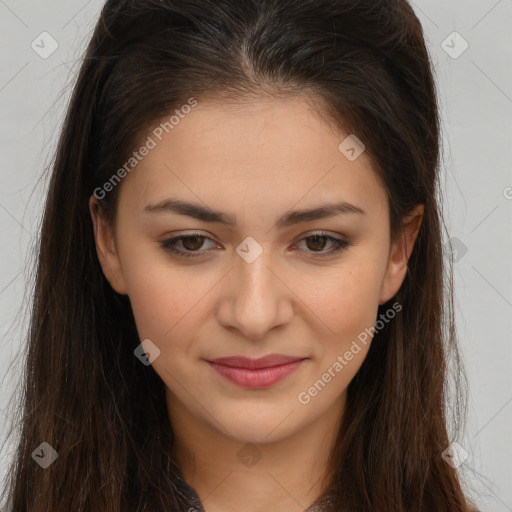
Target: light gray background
(476,98)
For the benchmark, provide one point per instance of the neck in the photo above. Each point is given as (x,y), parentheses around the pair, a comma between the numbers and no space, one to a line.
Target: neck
(229,475)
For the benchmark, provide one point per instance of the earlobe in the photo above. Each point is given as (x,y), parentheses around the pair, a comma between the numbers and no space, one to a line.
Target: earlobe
(400,253)
(106,248)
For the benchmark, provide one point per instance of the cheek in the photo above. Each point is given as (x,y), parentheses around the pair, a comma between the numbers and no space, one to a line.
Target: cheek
(167,300)
(152,289)
(161,301)
(345,298)
(348,306)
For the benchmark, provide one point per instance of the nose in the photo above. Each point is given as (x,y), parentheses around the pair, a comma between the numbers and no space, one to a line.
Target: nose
(256,299)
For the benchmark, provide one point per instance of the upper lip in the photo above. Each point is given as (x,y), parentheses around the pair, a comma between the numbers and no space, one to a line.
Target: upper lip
(252,363)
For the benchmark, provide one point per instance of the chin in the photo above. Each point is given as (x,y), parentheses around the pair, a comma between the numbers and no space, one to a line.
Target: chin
(259,428)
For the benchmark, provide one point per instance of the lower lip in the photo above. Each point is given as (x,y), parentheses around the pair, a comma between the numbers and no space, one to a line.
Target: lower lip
(257,378)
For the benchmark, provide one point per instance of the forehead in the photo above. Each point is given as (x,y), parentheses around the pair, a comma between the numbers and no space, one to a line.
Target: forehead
(260,154)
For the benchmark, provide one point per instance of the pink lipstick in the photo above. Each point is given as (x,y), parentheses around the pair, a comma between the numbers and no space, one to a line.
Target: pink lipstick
(256,373)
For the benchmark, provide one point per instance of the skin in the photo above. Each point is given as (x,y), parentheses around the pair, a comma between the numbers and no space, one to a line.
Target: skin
(254,161)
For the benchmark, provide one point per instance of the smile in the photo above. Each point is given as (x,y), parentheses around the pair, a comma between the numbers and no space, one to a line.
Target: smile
(256,374)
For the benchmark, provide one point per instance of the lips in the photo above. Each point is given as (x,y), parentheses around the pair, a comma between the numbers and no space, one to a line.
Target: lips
(256,363)
(256,373)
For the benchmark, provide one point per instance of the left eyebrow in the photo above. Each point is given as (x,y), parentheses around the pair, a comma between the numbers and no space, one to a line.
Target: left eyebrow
(320,212)
(289,218)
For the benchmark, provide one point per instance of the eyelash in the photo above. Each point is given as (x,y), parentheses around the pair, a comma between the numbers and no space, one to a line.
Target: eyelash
(169,245)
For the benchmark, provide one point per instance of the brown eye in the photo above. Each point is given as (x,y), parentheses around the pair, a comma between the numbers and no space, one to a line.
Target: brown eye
(318,242)
(192,243)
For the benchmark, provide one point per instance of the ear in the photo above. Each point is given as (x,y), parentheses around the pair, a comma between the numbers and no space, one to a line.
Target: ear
(400,253)
(106,248)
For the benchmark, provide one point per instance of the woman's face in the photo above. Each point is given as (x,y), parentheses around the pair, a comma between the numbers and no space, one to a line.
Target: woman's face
(269,282)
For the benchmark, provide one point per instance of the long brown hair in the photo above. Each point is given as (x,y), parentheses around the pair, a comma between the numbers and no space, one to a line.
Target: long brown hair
(85,393)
